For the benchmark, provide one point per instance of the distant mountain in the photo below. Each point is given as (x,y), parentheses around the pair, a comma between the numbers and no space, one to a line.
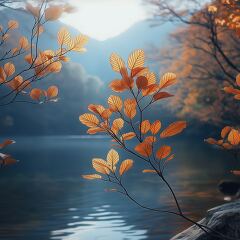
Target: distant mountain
(82,81)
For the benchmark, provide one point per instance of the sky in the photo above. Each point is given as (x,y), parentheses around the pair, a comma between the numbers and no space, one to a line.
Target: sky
(104,19)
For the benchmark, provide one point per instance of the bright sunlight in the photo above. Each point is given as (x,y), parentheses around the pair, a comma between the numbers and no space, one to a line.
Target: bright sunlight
(105,19)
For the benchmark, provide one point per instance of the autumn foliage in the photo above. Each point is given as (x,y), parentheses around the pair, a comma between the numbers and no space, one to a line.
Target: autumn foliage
(141,90)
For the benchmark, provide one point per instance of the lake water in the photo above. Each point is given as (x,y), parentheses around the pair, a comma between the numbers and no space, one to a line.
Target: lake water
(43,197)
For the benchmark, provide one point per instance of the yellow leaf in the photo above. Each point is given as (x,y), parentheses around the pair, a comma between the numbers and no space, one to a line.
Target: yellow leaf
(100,166)
(163,152)
(116,62)
(167,80)
(52,92)
(89,120)
(151,78)
(173,129)
(92,176)
(155,127)
(136,59)
(115,103)
(36,93)
(145,126)
(63,36)
(79,42)
(125,166)
(112,159)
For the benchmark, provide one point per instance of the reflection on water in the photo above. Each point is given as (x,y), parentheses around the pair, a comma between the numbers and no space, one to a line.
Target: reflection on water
(101,224)
(43,197)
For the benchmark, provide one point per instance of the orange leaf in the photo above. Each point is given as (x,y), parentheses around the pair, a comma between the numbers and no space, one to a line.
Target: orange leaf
(211,141)
(125,166)
(112,159)
(13,24)
(238,79)
(6,143)
(9,69)
(63,37)
(144,149)
(92,176)
(150,89)
(117,125)
(236,172)
(35,94)
(231,90)
(118,85)
(167,80)
(2,75)
(100,165)
(161,95)
(234,137)
(151,78)
(23,43)
(89,120)
(8,160)
(225,131)
(163,152)
(145,126)
(141,82)
(149,171)
(130,108)
(173,129)
(53,13)
(138,71)
(155,127)
(170,157)
(150,139)
(52,92)
(128,136)
(94,130)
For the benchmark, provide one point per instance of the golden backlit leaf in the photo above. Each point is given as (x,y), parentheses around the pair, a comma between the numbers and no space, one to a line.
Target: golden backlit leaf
(234,137)
(125,166)
(35,94)
(96,108)
(9,69)
(167,80)
(116,62)
(225,131)
(89,120)
(35,11)
(6,143)
(92,176)
(151,78)
(115,103)
(53,13)
(112,159)
(231,90)
(128,136)
(163,152)
(149,171)
(29,59)
(150,139)
(144,149)
(118,85)
(79,42)
(55,67)
(161,95)
(52,92)
(155,127)
(173,129)
(100,165)
(145,126)
(63,36)
(12,24)
(136,59)
(130,108)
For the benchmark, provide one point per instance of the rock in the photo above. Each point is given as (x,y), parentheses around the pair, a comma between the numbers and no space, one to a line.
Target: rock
(224,219)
